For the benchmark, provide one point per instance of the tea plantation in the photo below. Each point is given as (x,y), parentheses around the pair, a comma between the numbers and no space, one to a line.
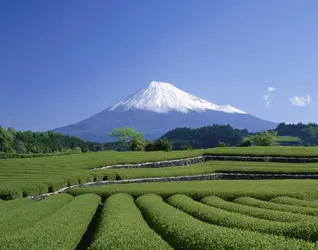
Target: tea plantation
(93,207)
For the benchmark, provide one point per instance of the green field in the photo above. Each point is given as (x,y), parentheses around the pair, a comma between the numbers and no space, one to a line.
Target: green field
(287,138)
(206,214)
(283,138)
(31,176)
(214,167)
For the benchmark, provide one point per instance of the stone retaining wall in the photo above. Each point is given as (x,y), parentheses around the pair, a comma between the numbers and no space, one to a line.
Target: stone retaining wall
(200,159)
(214,176)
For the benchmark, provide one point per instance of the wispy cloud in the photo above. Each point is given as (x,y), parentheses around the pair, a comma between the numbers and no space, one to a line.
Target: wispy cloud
(269,95)
(300,101)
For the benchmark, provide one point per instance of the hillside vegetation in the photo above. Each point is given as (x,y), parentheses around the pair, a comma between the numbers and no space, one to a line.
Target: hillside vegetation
(212,136)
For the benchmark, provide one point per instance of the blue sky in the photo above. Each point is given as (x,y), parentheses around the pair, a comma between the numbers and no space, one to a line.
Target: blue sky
(63,61)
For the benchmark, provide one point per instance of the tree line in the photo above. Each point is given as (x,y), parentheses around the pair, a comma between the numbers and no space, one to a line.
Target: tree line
(308,133)
(28,142)
(206,137)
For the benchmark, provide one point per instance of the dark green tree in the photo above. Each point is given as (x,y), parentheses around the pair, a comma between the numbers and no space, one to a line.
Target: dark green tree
(163,145)
(137,144)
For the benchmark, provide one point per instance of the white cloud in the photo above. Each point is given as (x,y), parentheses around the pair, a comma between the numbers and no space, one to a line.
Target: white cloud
(269,96)
(300,101)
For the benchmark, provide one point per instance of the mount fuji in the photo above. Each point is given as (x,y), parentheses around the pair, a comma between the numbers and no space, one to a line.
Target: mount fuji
(158,108)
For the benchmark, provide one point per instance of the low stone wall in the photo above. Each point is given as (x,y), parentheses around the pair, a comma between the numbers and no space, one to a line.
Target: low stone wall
(200,159)
(159,164)
(214,176)
(263,158)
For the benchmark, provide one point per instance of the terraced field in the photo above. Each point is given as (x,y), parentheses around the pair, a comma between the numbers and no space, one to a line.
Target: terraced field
(201,214)
(33,176)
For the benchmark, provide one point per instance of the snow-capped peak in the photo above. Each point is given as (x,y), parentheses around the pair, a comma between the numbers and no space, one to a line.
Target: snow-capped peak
(163,97)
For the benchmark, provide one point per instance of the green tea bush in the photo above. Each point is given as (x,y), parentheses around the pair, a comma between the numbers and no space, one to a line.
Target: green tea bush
(271,205)
(294,202)
(63,229)
(182,231)
(255,212)
(10,193)
(6,206)
(217,216)
(72,181)
(25,216)
(29,190)
(123,227)
(43,188)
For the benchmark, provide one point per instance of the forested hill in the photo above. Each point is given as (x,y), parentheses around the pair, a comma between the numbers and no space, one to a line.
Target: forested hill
(308,133)
(19,142)
(206,137)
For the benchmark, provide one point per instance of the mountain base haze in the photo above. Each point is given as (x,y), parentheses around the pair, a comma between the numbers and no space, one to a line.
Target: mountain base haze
(159,108)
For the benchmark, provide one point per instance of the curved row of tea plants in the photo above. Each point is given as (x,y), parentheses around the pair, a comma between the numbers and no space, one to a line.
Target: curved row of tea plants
(123,227)
(14,220)
(63,229)
(182,231)
(294,202)
(260,213)
(304,230)
(276,206)
(60,222)
(14,204)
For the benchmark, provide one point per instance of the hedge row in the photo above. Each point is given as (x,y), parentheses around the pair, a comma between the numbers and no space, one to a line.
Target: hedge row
(32,155)
(24,186)
(294,202)
(280,207)
(226,189)
(64,229)
(105,158)
(182,231)
(220,217)
(123,227)
(15,220)
(14,204)
(255,212)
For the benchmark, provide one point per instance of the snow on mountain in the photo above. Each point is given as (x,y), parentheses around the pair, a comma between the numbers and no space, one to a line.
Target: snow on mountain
(162,97)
